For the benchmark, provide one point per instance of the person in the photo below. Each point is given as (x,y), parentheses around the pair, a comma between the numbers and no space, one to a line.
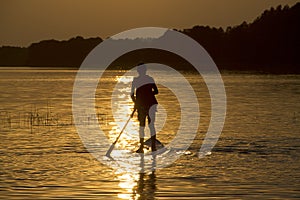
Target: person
(143,91)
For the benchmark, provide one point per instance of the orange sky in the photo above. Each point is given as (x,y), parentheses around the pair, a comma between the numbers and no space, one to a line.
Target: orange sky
(25,21)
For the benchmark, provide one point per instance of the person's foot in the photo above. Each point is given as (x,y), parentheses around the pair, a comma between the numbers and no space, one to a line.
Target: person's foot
(153,143)
(153,149)
(140,150)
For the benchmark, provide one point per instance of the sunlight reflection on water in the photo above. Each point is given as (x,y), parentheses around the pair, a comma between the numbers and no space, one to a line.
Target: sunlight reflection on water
(257,155)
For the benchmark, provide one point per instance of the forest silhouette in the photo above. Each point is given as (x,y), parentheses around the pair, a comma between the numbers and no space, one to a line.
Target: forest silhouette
(269,44)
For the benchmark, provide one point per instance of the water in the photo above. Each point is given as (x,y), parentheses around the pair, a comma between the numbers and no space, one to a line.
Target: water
(43,157)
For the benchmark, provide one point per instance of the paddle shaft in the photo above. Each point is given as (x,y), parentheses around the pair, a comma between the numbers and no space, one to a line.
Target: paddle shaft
(113,144)
(123,128)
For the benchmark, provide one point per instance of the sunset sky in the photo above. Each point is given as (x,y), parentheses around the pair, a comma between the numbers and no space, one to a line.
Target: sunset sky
(25,21)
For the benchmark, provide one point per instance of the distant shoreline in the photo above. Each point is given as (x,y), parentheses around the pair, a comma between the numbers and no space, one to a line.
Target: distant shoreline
(25,68)
(36,68)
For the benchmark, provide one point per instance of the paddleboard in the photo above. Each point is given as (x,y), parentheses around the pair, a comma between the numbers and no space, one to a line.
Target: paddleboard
(158,144)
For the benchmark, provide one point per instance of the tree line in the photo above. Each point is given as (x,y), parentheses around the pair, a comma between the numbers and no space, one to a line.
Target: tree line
(269,44)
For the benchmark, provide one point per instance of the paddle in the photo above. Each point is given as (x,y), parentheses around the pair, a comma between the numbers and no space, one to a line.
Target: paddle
(112,146)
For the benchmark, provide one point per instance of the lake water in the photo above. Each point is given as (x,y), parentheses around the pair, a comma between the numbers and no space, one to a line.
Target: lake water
(43,157)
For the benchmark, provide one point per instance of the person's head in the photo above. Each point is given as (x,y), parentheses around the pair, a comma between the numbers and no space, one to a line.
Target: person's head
(141,69)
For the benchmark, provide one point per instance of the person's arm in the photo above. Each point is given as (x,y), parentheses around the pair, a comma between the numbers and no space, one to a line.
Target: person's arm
(132,91)
(133,97)
(154,87)
(155,90)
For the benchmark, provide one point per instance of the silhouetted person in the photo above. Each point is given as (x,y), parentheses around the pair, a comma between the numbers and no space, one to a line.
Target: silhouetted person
(143,93)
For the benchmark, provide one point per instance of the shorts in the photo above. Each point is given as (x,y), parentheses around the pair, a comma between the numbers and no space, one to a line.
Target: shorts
(149,114)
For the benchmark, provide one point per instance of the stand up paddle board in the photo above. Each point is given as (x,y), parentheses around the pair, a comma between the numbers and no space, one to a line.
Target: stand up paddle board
(158,144)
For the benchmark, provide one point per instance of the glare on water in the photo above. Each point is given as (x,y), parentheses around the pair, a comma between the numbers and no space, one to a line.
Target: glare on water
(43,157)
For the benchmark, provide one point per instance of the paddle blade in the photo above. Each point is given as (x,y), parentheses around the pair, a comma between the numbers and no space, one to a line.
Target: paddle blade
(111,148)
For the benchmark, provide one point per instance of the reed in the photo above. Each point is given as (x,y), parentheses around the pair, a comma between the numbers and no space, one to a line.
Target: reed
(36,117)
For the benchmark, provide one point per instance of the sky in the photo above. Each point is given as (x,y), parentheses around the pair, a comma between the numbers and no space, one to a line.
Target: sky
(23,22)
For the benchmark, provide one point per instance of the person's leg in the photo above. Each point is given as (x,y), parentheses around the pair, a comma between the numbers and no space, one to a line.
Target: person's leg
(151,120)
(142,135)
(142,119)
